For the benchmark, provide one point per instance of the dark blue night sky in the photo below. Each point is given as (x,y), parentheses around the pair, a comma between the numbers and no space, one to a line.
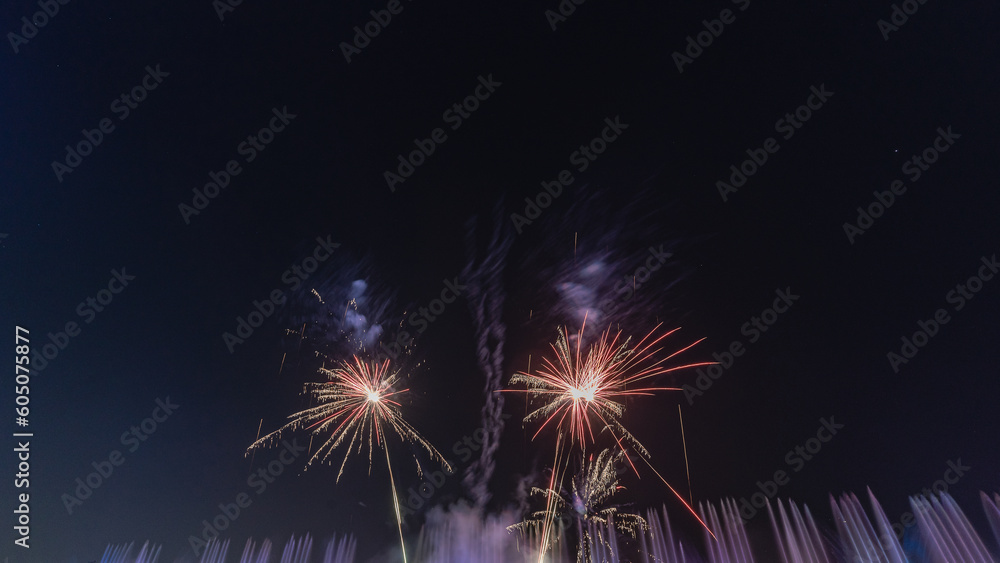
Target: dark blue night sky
(811,190)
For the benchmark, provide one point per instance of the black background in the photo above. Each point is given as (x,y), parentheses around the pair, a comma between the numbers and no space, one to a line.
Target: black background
(323,176)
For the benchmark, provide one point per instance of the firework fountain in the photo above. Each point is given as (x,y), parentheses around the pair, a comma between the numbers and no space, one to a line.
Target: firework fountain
(943,534)
(579,394)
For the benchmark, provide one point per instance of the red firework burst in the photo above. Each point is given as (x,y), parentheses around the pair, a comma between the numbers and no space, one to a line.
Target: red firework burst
(583,384)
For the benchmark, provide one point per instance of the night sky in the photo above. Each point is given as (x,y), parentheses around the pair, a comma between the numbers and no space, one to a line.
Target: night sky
(822,178)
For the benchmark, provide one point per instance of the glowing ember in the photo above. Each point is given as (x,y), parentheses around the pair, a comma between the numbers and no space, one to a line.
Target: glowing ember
(585,394)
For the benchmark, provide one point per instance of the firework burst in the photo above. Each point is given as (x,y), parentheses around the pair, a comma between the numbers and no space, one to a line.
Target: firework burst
(357,406)
(579,386)
(583,386)
(585,504)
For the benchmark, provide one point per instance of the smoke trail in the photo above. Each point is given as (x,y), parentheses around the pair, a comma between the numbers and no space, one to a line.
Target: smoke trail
(608,259)
(463,534)
(485,298)
(340,310)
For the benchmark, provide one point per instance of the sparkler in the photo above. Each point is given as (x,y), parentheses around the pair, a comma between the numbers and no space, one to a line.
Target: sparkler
(359,404)
(580,387)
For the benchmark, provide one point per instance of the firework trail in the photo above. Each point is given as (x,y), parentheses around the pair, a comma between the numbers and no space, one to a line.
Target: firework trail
(485,297)
(297,550)
(123,554)
(943,534)
(734,546)
(251,553)
(992,508)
